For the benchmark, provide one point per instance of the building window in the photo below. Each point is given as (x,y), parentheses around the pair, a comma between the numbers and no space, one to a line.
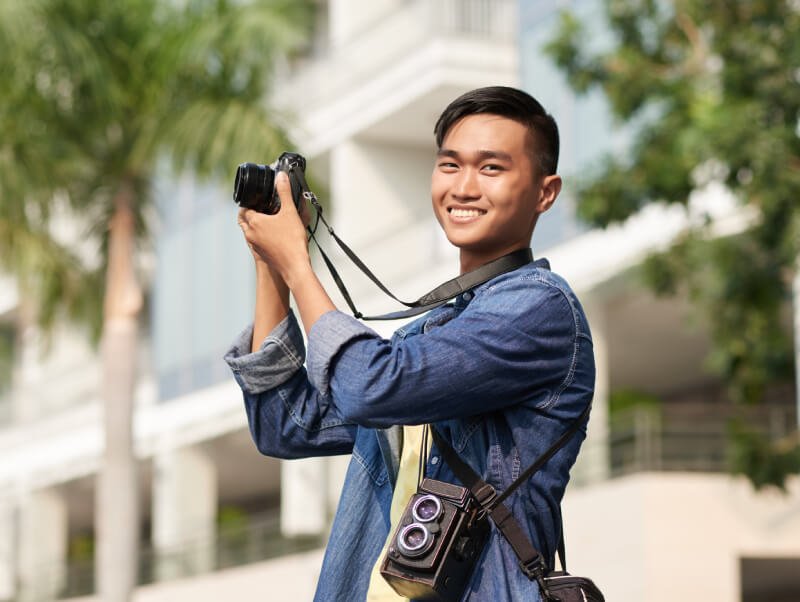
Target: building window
(770,579)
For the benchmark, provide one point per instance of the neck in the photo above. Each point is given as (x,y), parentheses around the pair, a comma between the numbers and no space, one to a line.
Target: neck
(472,261)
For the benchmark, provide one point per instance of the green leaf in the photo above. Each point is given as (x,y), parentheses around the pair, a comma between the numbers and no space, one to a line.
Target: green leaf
(707,84)
(95,94)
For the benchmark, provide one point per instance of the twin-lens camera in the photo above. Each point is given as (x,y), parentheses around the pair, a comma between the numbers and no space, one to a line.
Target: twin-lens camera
(437,542)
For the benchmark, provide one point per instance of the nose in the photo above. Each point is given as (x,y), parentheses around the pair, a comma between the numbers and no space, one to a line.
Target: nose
(466,185)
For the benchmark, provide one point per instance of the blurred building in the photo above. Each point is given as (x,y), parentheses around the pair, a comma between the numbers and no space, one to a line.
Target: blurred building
(651,514)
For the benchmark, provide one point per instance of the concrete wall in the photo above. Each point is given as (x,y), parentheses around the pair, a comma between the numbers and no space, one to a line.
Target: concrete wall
(290,578)
(676,536)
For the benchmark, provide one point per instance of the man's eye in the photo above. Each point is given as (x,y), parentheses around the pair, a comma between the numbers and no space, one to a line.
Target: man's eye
(492,167)
(447,165)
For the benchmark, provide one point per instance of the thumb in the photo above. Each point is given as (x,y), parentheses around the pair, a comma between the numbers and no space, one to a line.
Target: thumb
(284,189)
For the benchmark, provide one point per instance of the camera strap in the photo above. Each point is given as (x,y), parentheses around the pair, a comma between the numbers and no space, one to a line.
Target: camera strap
(531,560)
(431,300)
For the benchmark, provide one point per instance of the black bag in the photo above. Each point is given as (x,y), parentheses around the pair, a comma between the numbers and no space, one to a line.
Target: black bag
(563,587)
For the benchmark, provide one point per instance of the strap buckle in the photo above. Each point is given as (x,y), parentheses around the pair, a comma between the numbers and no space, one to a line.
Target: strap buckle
(485,496)
(534,568)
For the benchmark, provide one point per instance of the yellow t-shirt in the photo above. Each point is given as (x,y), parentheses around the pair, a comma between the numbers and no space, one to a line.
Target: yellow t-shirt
(406,486)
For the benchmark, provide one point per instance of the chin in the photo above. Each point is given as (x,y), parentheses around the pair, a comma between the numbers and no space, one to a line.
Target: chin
(464,243)
(464,237)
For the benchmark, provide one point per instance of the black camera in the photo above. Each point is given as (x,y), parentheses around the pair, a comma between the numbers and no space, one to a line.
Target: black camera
(439,538)
(254,186)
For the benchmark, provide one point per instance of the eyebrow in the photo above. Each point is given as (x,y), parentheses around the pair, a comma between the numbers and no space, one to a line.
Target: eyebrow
(481,154)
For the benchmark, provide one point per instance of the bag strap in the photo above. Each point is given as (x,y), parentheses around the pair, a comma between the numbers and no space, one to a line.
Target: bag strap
(431,300)
(531,561)
(542,460)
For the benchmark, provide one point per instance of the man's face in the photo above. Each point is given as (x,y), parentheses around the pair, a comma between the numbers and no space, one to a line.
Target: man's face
(485,189)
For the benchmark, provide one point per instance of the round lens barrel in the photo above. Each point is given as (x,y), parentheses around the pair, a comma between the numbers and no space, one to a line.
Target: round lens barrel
(414,540)
(251,185)
(427,508)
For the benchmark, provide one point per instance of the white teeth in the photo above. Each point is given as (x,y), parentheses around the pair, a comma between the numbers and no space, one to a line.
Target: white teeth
(466,212)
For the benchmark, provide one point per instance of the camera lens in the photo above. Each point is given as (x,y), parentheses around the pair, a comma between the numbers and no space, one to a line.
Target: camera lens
(414,540)
(253,185)
(427,508)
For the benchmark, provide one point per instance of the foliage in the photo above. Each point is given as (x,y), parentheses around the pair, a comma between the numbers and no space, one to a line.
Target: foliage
(764,461)
(736,284)
(232,527)
(81,548)
(232,519)
(96,97)
(622,400)
(96,94)
(713,89)
(6,356)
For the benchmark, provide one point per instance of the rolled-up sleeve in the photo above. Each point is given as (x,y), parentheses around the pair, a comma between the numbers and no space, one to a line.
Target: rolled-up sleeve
(288,417)
(332,332)
(281,354)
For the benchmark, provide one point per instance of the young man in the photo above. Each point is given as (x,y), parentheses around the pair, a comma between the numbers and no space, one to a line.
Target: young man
(500,372)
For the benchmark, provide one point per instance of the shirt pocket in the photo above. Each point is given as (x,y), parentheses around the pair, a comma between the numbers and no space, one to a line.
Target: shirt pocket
(367,453)
(463,431)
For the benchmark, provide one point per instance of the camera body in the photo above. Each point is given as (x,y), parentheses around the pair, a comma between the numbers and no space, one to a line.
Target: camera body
(254,186)
(439,538)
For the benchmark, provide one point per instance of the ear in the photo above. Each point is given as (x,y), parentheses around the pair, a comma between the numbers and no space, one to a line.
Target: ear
(551,187)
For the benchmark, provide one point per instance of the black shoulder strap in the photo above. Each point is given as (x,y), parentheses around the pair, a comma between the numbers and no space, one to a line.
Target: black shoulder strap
(438,296)
(542,460)
(531,560)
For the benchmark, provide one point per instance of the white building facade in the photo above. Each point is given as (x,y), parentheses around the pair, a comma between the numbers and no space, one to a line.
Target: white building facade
(651,514)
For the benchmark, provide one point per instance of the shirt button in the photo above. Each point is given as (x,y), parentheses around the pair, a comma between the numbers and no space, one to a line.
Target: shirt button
(467,296)
(434,460)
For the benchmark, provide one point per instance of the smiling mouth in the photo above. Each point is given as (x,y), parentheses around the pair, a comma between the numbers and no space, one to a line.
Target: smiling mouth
(465,213)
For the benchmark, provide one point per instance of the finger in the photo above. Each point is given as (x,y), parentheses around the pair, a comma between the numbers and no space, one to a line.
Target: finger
(242,218)
(250,217)
(285,192)
(248,222)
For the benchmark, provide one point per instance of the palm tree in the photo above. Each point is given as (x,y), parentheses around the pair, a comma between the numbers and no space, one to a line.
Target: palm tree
(95,95)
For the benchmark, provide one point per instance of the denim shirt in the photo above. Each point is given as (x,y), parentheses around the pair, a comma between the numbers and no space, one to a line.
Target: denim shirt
(500,373)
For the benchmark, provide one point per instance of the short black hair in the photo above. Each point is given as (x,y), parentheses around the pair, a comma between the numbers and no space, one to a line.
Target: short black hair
(513,104)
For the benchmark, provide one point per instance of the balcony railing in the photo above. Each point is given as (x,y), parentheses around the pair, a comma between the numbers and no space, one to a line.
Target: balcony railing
(643,441)
(257,539)
(669,440)
(332,71)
